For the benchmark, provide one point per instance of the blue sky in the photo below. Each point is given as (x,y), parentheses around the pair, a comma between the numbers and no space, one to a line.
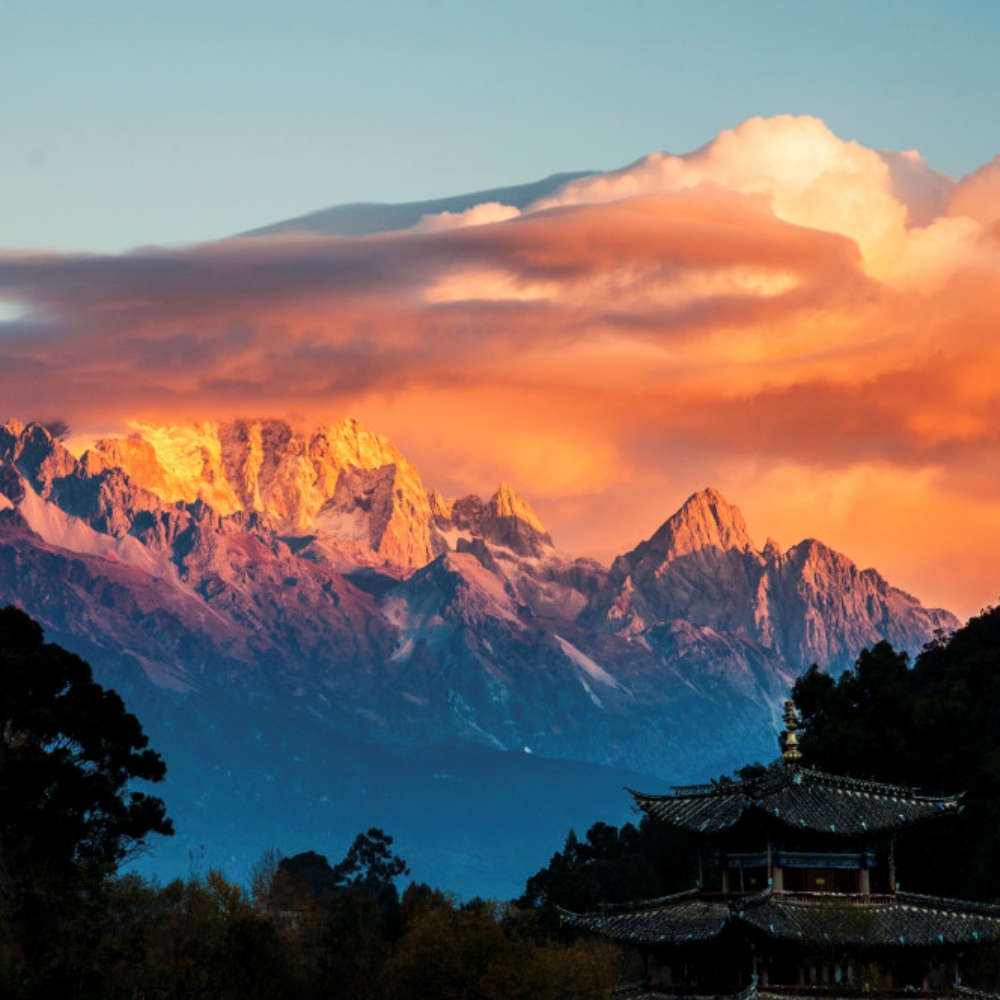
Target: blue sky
(125,124)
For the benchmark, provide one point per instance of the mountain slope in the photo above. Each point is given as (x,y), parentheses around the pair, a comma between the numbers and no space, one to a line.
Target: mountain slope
(254,578)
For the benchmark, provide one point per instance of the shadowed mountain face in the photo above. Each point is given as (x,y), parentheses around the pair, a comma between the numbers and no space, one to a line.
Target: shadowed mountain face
(306,587)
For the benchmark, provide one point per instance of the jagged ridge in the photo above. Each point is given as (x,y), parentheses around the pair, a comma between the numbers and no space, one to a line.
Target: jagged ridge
(808,605)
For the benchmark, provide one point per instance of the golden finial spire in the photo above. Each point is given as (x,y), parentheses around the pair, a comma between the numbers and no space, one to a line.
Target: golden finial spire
(789,743)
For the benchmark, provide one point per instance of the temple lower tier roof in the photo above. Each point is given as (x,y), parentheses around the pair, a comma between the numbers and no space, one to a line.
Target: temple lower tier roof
(799,799)
(899,920)
(685,917)
(643,991)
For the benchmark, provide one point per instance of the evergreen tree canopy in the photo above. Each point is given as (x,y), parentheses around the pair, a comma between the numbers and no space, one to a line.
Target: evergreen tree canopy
(308,879)
(615,865)
(302,880)
(370,862)
(858,725)
(933,727)
(68,754)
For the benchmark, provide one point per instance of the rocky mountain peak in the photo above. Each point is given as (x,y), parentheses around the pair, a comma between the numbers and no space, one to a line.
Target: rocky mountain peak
(263,465)
(338,478)
(507,503)
(347,442)
(441,508)
(807,605)
(36,453)
(506,520)
(706,520)
(509,520)
(11,429)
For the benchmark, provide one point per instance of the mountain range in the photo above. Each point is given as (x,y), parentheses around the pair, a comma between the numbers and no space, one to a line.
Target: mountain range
(317,642)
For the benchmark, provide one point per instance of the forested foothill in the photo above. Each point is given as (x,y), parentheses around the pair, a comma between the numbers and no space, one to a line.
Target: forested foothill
(71,924)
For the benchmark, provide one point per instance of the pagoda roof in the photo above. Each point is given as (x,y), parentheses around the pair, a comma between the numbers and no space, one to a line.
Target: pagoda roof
(800,799)
(685,918)
(899,920)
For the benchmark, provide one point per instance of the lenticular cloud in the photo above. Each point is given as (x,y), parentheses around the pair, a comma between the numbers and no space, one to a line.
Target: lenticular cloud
(803,322)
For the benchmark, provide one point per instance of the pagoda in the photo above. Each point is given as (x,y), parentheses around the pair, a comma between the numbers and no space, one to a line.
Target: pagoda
(804,895)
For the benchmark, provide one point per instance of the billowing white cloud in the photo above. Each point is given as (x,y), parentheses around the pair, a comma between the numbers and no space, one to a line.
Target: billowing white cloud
(804,173)
(478,215)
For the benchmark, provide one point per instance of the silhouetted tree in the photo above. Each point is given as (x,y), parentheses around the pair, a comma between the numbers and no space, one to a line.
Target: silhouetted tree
(859,724)
(187,939)
(934,727)
(69,753)
(614,865)
(371,863)
(302,881)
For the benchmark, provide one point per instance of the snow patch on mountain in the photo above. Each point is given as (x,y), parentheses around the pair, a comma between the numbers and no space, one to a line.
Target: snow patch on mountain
(71,533)
(403,652)
(586,664)
(452,536)
(487,584)
(590,692)
(346,525)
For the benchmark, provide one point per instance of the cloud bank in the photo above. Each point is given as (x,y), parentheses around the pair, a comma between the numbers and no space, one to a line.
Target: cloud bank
(807,324)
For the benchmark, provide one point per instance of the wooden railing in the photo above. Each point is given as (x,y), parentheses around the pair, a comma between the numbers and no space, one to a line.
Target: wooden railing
(854,898)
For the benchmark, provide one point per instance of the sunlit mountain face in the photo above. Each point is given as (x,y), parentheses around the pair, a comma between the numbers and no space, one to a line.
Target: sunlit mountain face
(805,323)
(317,641)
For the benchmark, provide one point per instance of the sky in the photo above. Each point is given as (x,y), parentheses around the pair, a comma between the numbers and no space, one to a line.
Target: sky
(126,124)
(787,285)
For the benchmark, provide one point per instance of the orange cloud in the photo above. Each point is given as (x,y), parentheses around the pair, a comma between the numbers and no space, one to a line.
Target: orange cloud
(805,323)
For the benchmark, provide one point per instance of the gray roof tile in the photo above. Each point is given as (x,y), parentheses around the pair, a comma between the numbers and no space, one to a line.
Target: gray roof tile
(798,798)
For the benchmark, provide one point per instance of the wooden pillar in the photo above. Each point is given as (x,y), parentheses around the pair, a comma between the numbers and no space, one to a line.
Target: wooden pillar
(864,881)
(725,880)
(778,878)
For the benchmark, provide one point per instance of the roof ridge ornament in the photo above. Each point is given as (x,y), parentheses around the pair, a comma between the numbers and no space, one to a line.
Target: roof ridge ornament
(788,741)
